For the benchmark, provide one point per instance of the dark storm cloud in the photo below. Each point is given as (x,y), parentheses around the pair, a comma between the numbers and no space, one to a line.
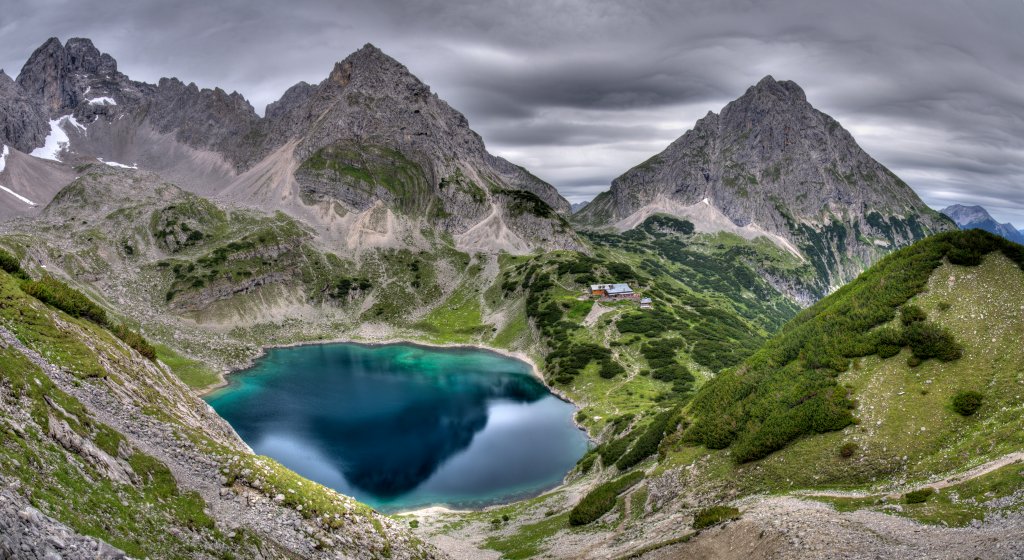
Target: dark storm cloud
(579,91)
(543,132)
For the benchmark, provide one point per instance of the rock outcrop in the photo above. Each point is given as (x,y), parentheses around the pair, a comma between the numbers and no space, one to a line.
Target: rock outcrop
(205,119)
(772,165)
(27,533)
(23,124)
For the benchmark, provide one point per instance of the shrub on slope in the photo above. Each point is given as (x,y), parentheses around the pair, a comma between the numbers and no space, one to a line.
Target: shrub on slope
(10,264)
(647,444)
(601,500)
(714,515)
(57,294)
(966,403)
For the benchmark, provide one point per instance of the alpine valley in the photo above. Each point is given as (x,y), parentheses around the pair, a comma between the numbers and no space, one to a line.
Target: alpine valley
(827,367)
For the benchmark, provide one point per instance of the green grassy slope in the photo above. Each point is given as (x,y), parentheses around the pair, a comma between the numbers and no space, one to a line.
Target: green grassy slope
(791,387)
(899,432)
(711,310)
(95,477)
(906,426)
(151,518)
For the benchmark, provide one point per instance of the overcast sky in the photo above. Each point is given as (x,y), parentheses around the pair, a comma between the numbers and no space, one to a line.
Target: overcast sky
(579,91)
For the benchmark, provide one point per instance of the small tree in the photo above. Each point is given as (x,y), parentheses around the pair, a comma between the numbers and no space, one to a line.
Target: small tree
(714,515)
(966,403)
(918,496)
(910,313)
(847,450)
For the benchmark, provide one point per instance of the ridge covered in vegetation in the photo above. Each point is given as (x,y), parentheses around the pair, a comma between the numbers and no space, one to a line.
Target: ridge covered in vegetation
(789,388)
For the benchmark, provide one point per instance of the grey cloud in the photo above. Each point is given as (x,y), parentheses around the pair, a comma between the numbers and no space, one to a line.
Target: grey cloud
(541,132)
(580,90)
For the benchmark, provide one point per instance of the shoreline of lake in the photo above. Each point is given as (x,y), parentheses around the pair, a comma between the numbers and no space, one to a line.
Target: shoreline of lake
(522,357)
(391,341)
(526,368)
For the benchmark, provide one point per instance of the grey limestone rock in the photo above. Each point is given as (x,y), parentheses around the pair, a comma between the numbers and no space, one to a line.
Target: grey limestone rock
(370,134)
(23,123)
(62,77)
(772,161)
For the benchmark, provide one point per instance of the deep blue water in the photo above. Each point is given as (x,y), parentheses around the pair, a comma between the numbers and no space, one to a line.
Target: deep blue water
(403,426)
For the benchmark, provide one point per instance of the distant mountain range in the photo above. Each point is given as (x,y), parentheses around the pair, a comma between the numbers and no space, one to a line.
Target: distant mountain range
(976,217)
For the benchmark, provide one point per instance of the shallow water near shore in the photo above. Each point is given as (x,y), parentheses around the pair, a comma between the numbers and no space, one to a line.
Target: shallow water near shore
(402,426)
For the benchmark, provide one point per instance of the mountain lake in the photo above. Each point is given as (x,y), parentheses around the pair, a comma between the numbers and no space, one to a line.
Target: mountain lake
(402,426)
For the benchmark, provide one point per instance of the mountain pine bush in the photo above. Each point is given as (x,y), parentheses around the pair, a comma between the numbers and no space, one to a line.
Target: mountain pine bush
(647,444)
(918,496)
(966,403)
(714,515)
(601,499)
(55,293)
(10,264)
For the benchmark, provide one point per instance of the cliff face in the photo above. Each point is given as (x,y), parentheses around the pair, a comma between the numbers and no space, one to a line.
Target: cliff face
(23,123)
(771,164)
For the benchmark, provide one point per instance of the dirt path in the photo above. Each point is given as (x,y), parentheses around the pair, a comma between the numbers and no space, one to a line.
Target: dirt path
(784,528)
(976,472)
(595,313)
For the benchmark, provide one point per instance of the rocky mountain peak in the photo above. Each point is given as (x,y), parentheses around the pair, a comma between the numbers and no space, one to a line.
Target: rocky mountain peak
(292,98)
(7,84)
(369,56)
(84,56)
(43,74)
(373,117)
(768,96)
(369,69)
(772,165)
(779,88)
(964,215)
(49,46)
(59,75)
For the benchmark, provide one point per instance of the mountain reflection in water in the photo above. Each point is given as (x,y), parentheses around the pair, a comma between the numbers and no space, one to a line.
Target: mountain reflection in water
(403,426)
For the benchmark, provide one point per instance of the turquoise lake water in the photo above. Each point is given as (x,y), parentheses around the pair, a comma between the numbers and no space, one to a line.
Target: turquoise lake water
(403,426)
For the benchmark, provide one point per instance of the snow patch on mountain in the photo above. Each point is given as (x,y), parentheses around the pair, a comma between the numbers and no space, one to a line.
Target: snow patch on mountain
(57,141)
(102,101)
(3,165)
(115,164)
(18,196)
